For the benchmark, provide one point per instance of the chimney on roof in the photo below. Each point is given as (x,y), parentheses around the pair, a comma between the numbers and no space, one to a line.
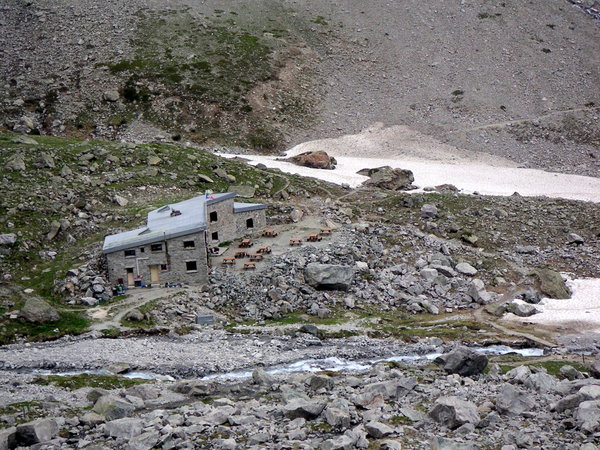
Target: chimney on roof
(175,212)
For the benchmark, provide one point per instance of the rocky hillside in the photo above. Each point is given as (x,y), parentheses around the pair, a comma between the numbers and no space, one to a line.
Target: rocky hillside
(517,80)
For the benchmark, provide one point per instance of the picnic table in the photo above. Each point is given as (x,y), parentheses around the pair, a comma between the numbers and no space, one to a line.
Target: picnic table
(256,257)
(264,249)
(295,241)
(249,265)
(314,238)
(270,232)
(240,254)
(246,243)
(229,260)
(325,231)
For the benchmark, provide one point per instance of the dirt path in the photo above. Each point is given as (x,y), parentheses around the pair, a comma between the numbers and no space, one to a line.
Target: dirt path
(110,316)
(479,315)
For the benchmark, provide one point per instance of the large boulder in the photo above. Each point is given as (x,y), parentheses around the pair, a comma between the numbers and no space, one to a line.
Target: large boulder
(521,309)
(305,409)
(243,190)
(40,430)
(329,276)
(551,283)
(595,368)
(462,361)
(8,239)
(453,412)
(587,416)
(314,160)
(38,310)
(123,428)
(387,177)
(513,402)
(113,407)
(8,438)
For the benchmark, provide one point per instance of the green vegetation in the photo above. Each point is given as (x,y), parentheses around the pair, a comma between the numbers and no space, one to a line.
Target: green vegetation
(22,412)
(146,310)
(70,323)
(488,15)
(208,70)
(553,367)
(74,382)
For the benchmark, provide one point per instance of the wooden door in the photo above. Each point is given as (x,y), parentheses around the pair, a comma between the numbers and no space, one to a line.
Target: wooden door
(154,274)
(130,279)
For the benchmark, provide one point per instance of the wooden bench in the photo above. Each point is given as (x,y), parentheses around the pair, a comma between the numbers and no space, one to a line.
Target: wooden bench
(249,265)
(256,257)
(314,238)
(295,241)
(229,260)
(246,243)
(264,249)
(270,232)
(325,231)
(240,254)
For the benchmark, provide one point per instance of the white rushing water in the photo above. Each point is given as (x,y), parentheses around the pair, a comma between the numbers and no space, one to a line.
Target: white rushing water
(342,365)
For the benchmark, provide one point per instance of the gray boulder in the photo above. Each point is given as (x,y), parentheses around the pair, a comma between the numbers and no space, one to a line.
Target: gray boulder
(329,276)
(243,190)
(551,283)
(40,430)
(378,430)
(8,438)
(462,361)
(466,269)
(441,443)
(587,416)
(261,377)
(512,401)
(453,412)
(8,239)
(113,407)
(306,409)
(521,309)
(595,368)
(388,178)
(337,417)
(429,211)
(38,310)
(123,428)
(145,441)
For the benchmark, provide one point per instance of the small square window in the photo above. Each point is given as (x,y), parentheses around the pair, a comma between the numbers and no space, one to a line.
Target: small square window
(191,266)
(215,236)
(164,268)
(189,244)
(142,249)
(249,223)
(156,247)
(129,253)
(214,216)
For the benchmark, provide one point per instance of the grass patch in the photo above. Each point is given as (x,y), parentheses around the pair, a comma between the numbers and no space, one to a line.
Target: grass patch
(70,322)
(74,382)
(22,412)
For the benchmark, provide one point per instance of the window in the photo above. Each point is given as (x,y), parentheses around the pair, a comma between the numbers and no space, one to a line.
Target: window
(191,266)
(164,268)
(215,236)
(249,223)
(189,244)
(213,216)
(129,253)
(142,249)
(129,270)
(156,247)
